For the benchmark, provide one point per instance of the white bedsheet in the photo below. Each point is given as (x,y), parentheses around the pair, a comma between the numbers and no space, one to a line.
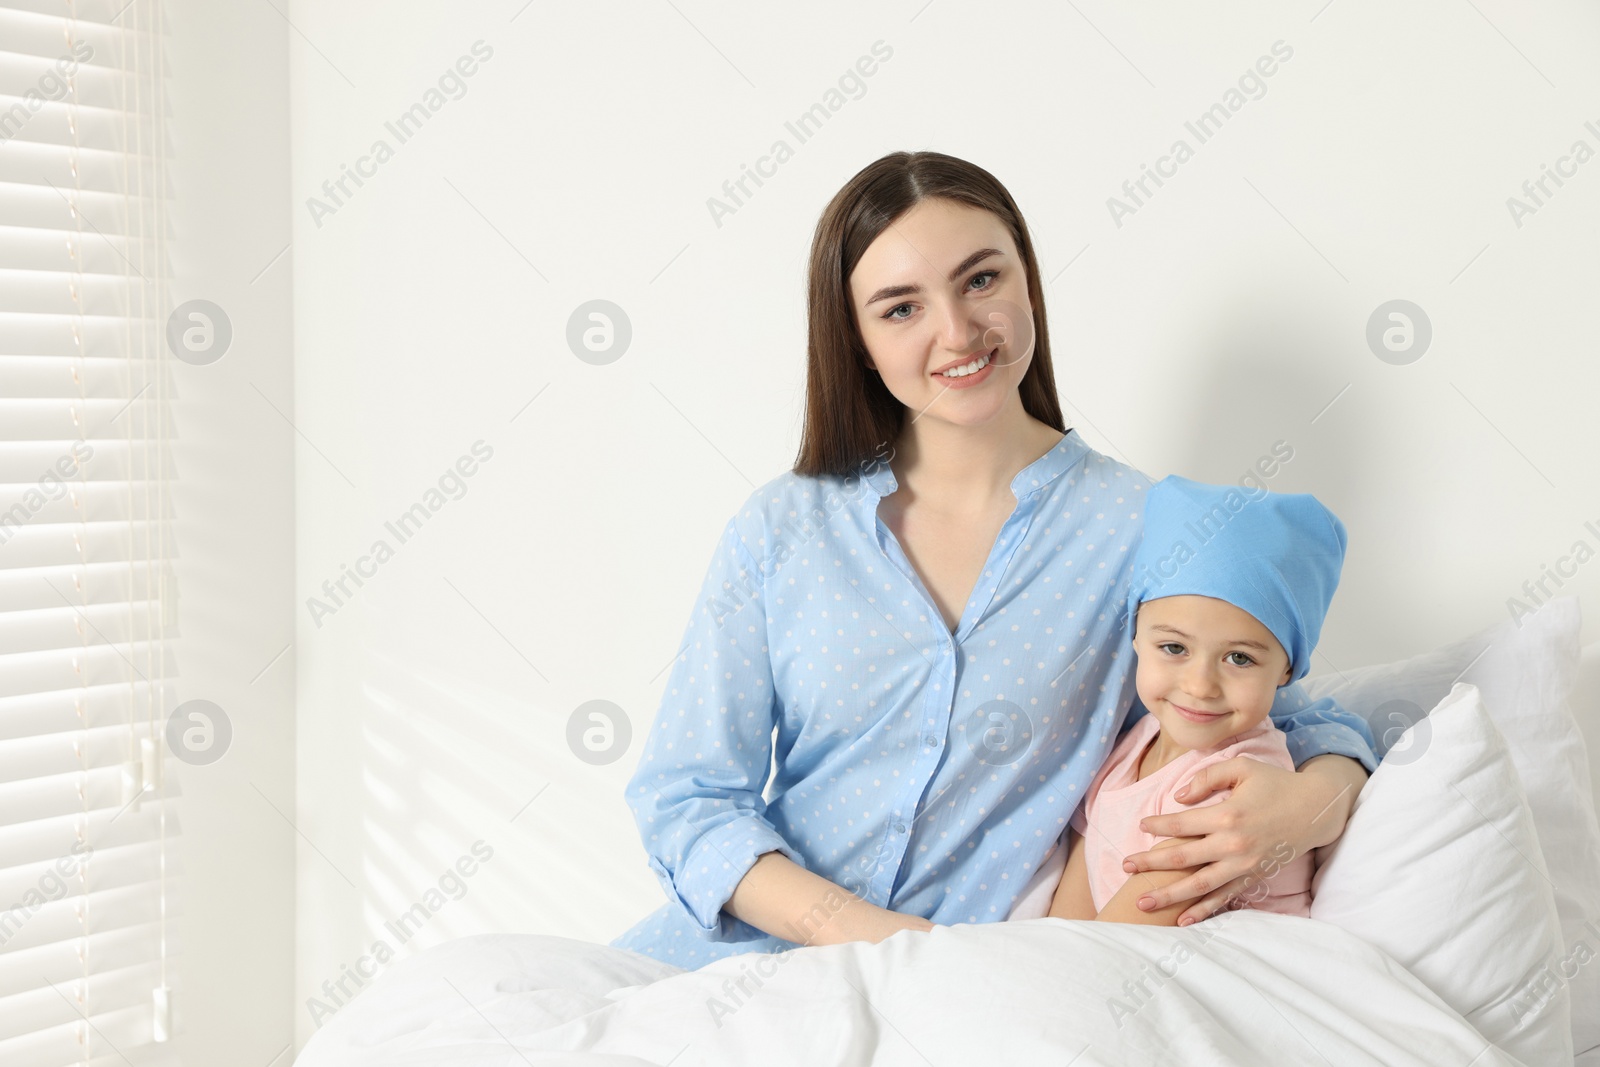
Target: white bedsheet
(1244,988)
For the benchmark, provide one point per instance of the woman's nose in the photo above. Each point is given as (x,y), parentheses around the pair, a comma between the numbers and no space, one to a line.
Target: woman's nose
(957,332)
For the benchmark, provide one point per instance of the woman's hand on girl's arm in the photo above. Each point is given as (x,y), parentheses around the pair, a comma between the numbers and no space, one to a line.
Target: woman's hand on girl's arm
(1123,906)
(782,898)
(1073,899)
(1272,816)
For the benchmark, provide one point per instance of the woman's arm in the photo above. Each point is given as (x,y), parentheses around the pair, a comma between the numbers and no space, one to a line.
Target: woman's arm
(697,793)
(1272,816)
(782,898)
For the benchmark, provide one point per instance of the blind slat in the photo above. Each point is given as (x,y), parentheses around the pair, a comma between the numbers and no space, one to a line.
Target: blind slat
(96,664)
(123,940)
(57,544)
(88,708)
(23,335)
(51,14)
(106,829)
(39,377)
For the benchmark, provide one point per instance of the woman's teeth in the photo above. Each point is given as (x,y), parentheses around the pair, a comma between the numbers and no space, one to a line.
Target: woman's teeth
(971,368)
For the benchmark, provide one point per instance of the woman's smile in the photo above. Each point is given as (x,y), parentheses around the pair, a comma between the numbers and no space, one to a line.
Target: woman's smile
(957,376)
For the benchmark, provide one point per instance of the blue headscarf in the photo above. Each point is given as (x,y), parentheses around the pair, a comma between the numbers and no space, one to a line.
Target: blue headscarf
(1274,555)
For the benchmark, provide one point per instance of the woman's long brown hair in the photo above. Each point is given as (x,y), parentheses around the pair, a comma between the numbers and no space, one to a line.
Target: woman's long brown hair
(850,415)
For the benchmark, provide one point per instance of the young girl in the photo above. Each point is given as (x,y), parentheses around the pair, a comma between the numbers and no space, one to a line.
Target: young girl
(1229,590)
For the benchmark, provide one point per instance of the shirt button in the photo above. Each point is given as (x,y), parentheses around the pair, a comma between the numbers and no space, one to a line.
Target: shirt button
(899,827)
(931,741)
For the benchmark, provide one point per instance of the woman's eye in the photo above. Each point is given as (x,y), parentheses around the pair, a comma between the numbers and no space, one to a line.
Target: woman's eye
(892,315)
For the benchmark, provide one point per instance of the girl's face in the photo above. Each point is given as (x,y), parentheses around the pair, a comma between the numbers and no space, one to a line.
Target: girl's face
(943,286)
(1207,670)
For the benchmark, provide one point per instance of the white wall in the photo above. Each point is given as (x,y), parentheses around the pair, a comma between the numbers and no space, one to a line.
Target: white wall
(1224,315)
(228,129)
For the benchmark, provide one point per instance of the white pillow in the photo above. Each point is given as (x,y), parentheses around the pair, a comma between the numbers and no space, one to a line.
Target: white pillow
(1440,867)
(1525,670)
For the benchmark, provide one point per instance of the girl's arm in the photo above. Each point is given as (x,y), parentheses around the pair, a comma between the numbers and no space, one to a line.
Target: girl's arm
(1272,813)
(1123,907)
(1074,901)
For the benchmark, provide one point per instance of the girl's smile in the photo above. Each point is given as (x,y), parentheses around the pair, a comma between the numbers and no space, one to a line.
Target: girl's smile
(1198,716)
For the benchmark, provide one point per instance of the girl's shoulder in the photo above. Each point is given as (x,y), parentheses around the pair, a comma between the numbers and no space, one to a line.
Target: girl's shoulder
(1265,742)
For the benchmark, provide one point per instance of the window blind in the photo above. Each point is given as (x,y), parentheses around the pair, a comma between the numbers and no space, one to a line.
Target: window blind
(87,827)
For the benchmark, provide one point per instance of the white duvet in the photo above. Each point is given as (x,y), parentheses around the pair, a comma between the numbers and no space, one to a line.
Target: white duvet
(1244,987)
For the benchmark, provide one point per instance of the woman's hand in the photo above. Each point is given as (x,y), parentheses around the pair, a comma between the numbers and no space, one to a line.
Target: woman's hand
(1272,816)
(779,897)
(895,922)
(860,921)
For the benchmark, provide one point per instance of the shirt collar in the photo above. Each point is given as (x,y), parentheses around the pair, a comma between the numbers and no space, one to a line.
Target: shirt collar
(1035,476)
(1054,463)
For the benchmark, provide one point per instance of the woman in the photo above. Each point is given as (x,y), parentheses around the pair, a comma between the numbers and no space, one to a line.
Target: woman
(916,642)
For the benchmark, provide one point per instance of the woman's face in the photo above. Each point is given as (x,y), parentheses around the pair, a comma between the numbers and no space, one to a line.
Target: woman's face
(1198,654)
(943,286)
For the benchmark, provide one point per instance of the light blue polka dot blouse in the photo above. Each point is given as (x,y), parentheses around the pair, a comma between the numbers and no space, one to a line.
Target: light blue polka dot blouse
(820,707)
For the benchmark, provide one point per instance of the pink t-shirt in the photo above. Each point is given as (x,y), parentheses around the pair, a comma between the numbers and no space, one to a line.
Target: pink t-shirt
(1117,799)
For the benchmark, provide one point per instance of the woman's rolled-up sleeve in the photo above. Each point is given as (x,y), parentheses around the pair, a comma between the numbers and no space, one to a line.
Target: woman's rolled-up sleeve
(1319,727)
(697,792)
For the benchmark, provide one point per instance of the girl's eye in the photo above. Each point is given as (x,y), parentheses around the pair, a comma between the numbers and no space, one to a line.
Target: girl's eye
(1247,660)
(991,274)
(1171,644)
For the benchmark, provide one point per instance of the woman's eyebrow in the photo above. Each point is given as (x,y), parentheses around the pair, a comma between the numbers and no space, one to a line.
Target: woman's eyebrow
(973,260)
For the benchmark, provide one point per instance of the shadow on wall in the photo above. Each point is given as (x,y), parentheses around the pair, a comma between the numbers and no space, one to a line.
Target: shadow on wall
(474,820)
